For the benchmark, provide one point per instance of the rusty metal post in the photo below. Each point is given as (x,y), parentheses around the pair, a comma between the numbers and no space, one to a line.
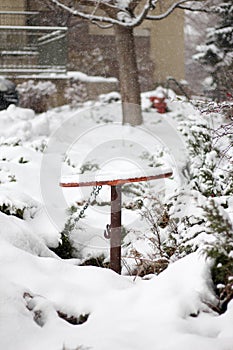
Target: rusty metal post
(115,235)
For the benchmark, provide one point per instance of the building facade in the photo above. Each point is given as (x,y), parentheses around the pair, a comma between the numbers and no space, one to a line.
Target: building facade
(90,49)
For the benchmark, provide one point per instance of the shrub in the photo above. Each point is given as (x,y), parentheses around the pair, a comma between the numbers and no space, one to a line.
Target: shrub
(220,250)
(36,95)
(19,205)
(75,93)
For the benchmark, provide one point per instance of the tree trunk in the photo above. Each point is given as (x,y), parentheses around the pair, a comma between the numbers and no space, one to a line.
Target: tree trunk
(128,75)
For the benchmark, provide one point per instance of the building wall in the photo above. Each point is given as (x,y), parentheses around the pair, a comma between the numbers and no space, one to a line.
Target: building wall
(13,5)
(87,38)
(160,46)
(167,47)
(9,39)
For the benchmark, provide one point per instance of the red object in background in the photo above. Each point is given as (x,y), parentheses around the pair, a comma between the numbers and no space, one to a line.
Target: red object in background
(159,103)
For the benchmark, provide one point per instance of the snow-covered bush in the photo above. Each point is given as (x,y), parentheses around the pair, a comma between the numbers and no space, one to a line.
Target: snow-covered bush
(217,53)
(207,226)
(17,204)
(65,247)
(145,252)
(89,166)
(209,231)
(110,97)
(219,225)
(6,176)
(209,172)
(178,227)
(36,95)
(75,93)
(39,145)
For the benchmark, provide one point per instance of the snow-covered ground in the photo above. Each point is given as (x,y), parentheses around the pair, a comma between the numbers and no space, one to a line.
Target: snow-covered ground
(41,292)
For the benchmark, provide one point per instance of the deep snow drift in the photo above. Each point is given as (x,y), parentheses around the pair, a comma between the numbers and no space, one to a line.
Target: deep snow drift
(40,292)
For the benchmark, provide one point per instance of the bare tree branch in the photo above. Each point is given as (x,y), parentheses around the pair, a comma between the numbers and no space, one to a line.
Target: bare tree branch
(96,7)
(127,19)
(143,15)
(90,17)
(171,9)
(206,10)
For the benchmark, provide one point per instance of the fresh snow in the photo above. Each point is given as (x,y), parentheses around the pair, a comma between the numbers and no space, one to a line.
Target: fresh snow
(76,75)
(168,311)
(119,173)
(164,312)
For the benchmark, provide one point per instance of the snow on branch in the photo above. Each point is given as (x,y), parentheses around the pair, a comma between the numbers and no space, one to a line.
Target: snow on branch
(91,17)
(171,9)
(120,12)
(206,7)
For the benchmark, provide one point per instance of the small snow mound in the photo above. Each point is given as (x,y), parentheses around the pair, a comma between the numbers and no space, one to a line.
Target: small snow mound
(110,97)
(19,113)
